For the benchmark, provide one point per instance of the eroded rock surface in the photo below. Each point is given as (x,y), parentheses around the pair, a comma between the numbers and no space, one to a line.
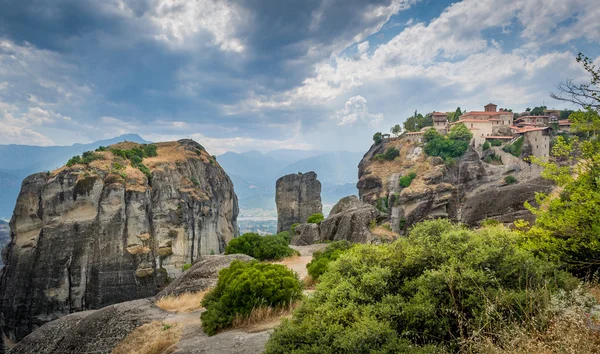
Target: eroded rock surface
(100,331)
(468,190)
(87,236)
(297,196)
(350,219)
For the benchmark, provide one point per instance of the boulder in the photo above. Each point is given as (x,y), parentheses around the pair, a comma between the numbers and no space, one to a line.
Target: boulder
(297,196)
(306,234)
(85,236)
(203,274)
(349,220)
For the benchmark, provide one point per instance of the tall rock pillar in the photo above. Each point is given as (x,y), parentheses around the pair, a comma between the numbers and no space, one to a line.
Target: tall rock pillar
(298,196)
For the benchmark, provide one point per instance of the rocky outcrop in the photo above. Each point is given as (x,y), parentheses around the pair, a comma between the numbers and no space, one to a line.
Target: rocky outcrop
(203,274)
(350,219)
(100,331)
(467,190)
(4,239)
(297,196)
(87,236)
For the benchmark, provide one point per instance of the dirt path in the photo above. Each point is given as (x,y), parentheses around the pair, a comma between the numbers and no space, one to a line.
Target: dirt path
(298,263)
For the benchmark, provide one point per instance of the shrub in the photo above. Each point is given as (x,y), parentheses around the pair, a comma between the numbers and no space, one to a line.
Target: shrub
(490,223)
(510,179)
(136,156)
(321,259)
(382,204)
(405,181)
(428,292)
(391,153)
(101,148)
(377,138)
(74,161)
(496,142)
(515,148)
(186,266)
(195,181)
(293,227)
(402,223)
(270,247)
(244,286)
(460,132)
(286,236)
(486,146)
(488,159)
(315,218)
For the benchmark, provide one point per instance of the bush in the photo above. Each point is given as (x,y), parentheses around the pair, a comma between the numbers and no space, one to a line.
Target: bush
(85,159)
(389,155)
(244,286)
(428,292)
(321,259)
(405,181)
(495,142)
(286,236)
(136,156)
(377,138)
(486,146)
(293,228)
(510,180)
(460,132)
(315,218)
(515,148)
(186,266)
(270,247)
(382,204)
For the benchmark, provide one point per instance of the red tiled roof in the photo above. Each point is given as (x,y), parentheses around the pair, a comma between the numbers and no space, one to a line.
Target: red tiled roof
(527,129)
(564,122)
(498,137)
(440,114)
(533,117)
(485,113)
(415,133)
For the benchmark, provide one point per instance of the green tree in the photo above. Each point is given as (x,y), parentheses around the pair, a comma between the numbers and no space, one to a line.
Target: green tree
(486,145)
(456,115)
(565,113)
(244,286)
(377,138)
(418,122)
(460,132)
(321,259)
(315,218)
(396,130)
(270,247)
(538,111)
(586,123)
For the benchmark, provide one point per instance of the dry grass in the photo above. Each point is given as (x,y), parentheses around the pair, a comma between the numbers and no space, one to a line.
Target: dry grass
(183,303)
(152,338)
(263,318)
(168,153)
(384,233)
(567,331)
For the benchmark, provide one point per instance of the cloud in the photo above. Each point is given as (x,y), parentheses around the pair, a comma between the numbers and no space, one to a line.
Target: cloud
(356,110)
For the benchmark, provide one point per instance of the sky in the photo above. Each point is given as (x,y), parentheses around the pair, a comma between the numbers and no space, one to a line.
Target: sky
(240,75)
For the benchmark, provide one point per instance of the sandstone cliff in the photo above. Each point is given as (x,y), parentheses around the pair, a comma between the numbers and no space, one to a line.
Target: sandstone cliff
(468,190)
(95,234)
(4,237)
(297,196)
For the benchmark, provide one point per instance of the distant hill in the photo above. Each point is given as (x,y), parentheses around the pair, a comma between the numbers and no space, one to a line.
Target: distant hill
(20,161)
(254,174)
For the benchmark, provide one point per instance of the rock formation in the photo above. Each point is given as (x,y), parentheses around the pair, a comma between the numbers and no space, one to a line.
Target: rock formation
(350,219)
(4,238)
(297,196)
(90,235)
(467,190)
(100,331)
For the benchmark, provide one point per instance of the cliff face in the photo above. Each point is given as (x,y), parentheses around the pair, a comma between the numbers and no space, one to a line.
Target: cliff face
(4,237)
(297,196)
(469,190)
(87,236)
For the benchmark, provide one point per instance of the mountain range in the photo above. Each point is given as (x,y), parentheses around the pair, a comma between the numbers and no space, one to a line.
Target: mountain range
(254,174)
(20,161)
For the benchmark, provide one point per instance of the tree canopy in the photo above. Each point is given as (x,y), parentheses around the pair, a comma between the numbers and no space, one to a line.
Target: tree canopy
(417,122)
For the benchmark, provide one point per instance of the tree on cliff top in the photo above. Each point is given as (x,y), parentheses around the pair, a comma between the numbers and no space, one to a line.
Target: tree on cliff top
(460,132)
(417,122)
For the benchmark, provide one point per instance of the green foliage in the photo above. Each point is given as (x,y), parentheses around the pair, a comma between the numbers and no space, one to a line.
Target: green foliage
(402,223)
(515,148)
(538,111)
(212,252)
(427,293)
(286,235)
(389,155)
(270,247)
(490,223)
(460,132)
(136,156)
(195,181)
(382,204)
(74,161)
(455,145)
(495,142)
(293,228)
(101,148)
(510,179)
(405,181)
(321,259)
(377,138)
(564,114)
(586,123)
(85,159)
(567,227)
(244,286)
(117,166)
(417,122)
(315,218)
(453,117)
(486,146)
(396,130)
(186,266)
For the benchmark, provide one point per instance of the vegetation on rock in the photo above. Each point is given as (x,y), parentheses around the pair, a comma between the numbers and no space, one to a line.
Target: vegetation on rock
(418,122)
(389,155)
(515,148)
(405,181)
(315,218)
(510,179)
(452,146)
(270,247)
(245,286)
